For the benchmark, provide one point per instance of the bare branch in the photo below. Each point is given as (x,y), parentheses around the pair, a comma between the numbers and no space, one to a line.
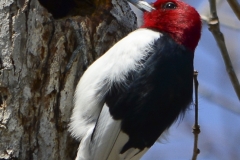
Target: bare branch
(196,96)
(196,127)
(213,24)
(235,7)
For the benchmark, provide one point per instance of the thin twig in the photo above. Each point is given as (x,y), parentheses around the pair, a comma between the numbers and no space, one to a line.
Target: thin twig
(213,24)
(235,7)
(196,127)
(196,96)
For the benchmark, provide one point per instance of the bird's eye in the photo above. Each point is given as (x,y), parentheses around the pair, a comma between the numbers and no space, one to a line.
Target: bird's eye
(169,5)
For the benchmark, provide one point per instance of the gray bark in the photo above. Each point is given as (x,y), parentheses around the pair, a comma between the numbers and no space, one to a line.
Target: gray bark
(36,94)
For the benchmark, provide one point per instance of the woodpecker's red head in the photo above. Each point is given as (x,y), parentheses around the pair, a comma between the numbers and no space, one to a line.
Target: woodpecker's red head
(181,21)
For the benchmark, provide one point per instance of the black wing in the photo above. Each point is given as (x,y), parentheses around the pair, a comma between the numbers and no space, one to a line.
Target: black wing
(152,98)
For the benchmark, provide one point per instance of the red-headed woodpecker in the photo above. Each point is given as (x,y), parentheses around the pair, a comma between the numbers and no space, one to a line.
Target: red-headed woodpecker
(134,92)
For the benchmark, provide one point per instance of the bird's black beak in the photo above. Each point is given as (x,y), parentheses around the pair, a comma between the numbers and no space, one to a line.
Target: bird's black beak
(142,5)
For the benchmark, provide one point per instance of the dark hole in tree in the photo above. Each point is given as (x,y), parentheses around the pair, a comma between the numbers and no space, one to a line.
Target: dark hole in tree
(63,8)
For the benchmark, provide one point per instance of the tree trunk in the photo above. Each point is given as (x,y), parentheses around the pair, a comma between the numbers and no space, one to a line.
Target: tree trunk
(36,88)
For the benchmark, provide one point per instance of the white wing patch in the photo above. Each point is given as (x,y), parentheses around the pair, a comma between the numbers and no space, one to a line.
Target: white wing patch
(107,141)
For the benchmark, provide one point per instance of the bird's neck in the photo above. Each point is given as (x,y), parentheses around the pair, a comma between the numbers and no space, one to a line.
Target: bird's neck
(187,38)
